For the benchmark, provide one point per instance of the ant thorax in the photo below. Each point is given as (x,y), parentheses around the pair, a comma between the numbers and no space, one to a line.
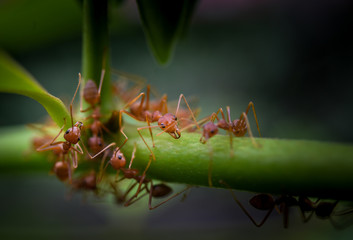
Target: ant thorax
(223,124)
(96,127)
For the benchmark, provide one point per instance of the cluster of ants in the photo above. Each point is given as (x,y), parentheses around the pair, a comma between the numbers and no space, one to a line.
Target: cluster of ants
(139,107)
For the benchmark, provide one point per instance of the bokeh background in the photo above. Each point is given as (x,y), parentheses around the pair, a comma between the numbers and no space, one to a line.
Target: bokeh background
(293,59)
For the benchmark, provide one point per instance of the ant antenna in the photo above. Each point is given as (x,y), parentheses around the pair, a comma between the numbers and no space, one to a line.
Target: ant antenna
(78,85)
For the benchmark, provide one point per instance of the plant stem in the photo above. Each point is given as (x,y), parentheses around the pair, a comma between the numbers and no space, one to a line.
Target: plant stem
(296,167)
(95,53)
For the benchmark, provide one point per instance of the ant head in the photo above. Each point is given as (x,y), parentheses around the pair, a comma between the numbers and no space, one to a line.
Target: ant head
(209,130)
(96,143)
(118,160)
(262,201)
(168,123)
(90,93)
(72,135)
(160,190)
(61,170)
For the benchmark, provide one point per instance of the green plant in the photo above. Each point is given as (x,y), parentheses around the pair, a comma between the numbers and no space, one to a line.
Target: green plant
(291,166)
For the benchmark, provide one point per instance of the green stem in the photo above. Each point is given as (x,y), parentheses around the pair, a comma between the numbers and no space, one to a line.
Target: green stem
(296,167)
(95,53)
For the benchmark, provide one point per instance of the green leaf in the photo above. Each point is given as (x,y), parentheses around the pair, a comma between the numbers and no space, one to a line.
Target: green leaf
(15,79)
(164,22)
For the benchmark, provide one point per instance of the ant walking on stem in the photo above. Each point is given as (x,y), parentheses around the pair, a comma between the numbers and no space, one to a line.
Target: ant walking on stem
(118,162)
(167,122)
(266,202)
(63,148)
(237,127)
(91,93)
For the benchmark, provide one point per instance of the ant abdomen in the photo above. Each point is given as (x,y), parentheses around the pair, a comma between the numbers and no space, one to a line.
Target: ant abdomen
(61,170)
(160,190)
(262,201)
(90,93)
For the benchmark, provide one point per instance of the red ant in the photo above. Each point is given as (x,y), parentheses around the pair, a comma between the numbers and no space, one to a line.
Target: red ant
(323,210)
(266,202)
(91,93)
(71,136)
(167,122)
(86,182)
(121,89)
(154,190)
(237,127)
(118,162)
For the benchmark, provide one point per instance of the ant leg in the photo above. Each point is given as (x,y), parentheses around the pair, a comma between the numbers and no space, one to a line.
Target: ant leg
(45,146)
(141,128)
(200,122)
(229,130)
(149,125)
(133,155)
(122,128)
(161,203)
(304,217)
(69,173)
(143,176)
(101,169)
(249,130)
(244,210)
(164,104)
(148,97)
(97,154)
(132,199)
(210,167)
(72,101)
(192,114)
(74,159)
(251,104)
(101,82)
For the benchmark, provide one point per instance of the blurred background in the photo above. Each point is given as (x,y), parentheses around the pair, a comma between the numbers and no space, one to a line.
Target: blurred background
(293,59)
